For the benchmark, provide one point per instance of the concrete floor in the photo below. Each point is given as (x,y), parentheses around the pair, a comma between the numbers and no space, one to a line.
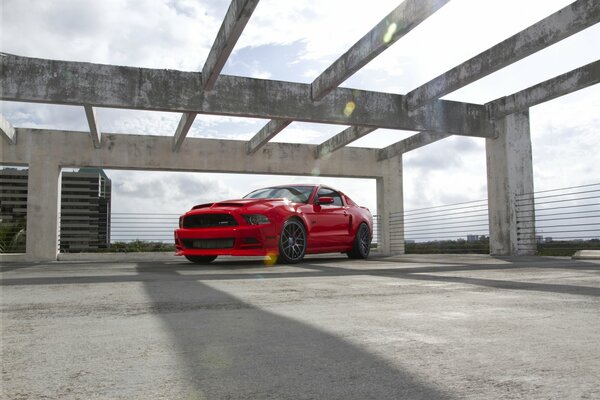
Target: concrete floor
(412,327)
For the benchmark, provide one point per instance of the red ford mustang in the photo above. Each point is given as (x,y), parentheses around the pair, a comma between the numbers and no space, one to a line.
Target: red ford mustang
(282,222)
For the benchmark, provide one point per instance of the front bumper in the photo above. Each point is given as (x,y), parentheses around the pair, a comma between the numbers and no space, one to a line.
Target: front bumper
(241,240)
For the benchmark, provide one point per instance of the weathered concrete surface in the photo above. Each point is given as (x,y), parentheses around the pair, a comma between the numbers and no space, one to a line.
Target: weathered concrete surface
(76,83)
(43,207)
(510,173)
(571,19)
(409,144)
(183,127)
(147,152)
(266,133)
(561,85)
(330,328)
(237,16)
(95,132)
(340,140)
(7,131)
(390,201)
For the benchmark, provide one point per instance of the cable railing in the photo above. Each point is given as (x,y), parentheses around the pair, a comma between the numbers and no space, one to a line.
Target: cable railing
(565,220)
(143,232)
(452,228)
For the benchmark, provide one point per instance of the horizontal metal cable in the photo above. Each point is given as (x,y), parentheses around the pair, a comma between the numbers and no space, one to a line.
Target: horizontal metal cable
(411,213)
(538,210)
(562,218)
(555,190)
(448,205)
(560,201)
(439,224)
(443,230)
(441,218)
(562,226)
(142,213)
(557,195)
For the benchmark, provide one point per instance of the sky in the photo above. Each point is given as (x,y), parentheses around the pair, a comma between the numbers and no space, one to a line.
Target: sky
(296,41)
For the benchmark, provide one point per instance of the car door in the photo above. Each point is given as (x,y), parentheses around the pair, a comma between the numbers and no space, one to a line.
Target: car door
(330,223)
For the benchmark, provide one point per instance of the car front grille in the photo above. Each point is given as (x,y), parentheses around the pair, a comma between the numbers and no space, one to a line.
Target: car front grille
(225,243)
(209,221)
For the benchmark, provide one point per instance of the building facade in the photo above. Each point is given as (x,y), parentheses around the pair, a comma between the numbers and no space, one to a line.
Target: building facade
(85,207)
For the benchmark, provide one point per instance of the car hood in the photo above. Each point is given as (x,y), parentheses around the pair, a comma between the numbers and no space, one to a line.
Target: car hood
(239,204)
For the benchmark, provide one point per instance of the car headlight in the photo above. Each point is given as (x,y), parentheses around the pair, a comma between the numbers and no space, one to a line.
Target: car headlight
(256,219)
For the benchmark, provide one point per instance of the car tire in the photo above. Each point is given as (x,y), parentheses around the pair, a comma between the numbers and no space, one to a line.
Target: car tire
(361,246)
(292,242)
(201,259)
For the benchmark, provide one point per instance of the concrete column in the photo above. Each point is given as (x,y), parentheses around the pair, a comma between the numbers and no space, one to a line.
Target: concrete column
(390,207)
(509,173)
(43,210)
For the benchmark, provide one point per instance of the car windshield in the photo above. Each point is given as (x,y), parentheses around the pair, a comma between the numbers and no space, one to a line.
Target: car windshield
(297,194)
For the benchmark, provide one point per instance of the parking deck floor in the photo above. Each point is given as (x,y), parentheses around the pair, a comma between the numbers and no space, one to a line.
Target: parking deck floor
(411,327)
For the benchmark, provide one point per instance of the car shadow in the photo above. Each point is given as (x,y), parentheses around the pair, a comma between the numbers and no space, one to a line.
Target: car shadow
(230,349)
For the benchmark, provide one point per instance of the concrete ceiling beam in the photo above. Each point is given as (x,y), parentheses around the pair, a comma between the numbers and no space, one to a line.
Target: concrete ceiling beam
(561,85)
(95,132)
(185,123)
(153,153)
(395,25)
(340,140)
(76,83)
(267,132)
(7,131)
(237,16)
(571,19)
(410,143)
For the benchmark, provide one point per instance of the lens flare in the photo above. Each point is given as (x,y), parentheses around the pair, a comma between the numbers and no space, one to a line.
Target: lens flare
(270,259)
(389,34)
(349,109)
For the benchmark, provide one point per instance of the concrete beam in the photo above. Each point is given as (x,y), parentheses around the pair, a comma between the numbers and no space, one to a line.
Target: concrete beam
(76,83)
(185,123)
(561,85)
(95,132)
(237,16)
(410,143)
(573,18)
(340,140)
(395,25)
(148,152)
(235,21)
(267,133)
(7,131)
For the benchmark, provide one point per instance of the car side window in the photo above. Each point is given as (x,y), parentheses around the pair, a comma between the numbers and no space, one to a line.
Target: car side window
(337,199)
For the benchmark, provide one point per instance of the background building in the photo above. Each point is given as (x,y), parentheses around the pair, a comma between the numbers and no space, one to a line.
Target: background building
(85,207)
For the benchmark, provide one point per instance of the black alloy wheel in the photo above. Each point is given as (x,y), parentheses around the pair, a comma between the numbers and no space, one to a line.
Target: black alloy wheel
(292,243)
(201,259)
(362,243)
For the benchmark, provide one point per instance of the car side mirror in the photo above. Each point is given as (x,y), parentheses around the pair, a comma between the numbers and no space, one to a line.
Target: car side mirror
(325,200)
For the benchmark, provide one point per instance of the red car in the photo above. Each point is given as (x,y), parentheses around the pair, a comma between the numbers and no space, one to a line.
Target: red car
(281,222)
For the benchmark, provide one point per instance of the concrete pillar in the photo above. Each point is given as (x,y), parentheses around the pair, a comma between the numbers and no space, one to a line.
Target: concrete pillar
(509,173)
(390,207)
(43,210)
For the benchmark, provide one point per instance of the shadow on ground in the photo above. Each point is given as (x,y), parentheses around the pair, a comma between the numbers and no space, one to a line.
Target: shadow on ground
(231,349)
